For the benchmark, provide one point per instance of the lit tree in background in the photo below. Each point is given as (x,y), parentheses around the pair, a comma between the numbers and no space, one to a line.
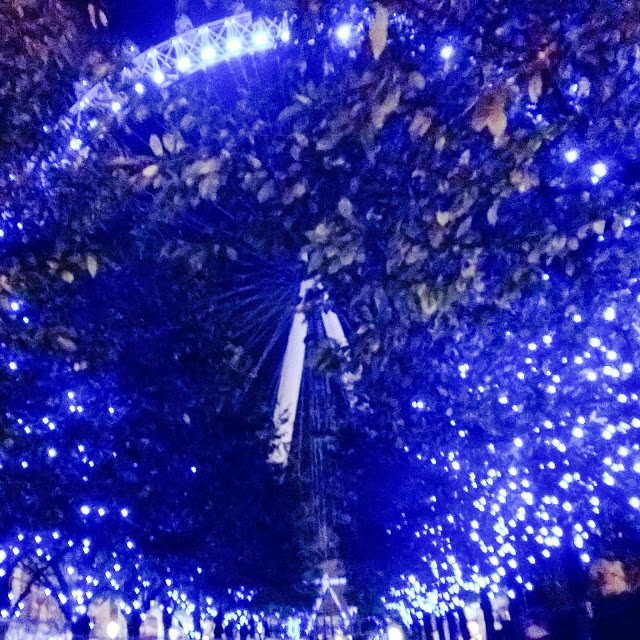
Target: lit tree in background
(462,181)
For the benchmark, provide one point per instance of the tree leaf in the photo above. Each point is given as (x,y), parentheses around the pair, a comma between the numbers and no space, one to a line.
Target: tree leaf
(417,81)
(297,191)
(169,142)
(156,145)
(92,265)
(150,171)
(66,343)
(267,190)
(427,298)
(305,100)
(535,87)
(345,208)
(329,141)
(443,218)
(379,30)
(490,113)
(492,214)
(208,187)
(384,109)
(67,276)
(465,225)
(420,124)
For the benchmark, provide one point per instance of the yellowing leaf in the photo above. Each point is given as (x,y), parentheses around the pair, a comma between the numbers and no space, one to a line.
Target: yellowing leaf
(156,145)
(490,113)
(535,87)
(598,226)
(92,266)
(67,276)
(379,30)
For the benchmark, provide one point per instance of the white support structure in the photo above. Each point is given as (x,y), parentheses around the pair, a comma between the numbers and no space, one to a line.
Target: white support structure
(284,415)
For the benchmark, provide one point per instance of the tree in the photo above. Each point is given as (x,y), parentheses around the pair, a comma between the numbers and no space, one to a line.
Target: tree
(467,200)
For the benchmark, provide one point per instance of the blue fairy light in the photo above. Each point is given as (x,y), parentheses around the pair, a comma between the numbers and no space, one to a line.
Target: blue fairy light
(343,33)
(208,53)
(234,45)
(446,52)
(183,64)
(571,155)
(260,38)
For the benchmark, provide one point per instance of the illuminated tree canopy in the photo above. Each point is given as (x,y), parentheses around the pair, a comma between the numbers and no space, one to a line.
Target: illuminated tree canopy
(463,182)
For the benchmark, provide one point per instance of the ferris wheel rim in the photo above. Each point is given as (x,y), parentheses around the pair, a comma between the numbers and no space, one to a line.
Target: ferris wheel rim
(169,62)
(199,48)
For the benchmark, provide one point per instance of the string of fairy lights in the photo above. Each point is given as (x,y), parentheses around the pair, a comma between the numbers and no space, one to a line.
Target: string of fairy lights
(511,512)
(87,579)
(517,511)
(86,584)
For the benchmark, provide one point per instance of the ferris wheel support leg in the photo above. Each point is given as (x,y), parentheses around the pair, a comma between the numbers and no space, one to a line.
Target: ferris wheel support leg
(284,415)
